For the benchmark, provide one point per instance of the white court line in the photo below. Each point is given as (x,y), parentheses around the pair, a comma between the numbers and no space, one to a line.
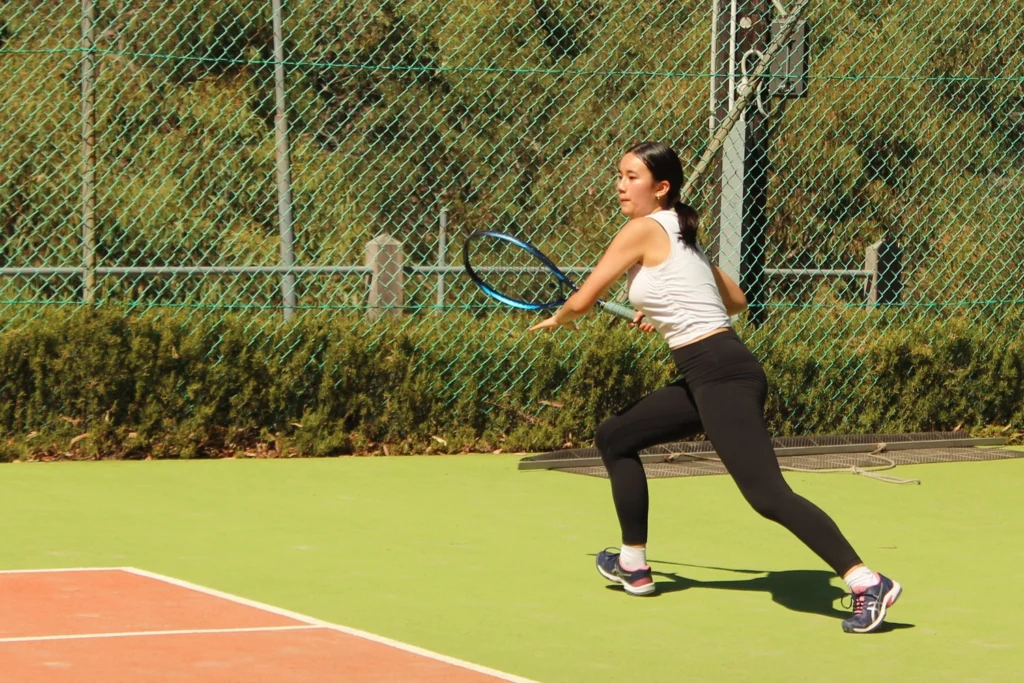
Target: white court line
(56,571)
(313,621)
(310,621)
(132,634)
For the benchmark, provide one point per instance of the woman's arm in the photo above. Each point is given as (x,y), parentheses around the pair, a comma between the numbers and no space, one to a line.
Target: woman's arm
(628,247)
(732,296)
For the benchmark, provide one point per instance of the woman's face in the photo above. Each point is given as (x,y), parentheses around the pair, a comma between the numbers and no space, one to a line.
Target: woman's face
(639,194)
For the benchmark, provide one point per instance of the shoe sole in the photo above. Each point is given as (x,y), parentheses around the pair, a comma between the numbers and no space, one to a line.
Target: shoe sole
(888,601)
(642,590)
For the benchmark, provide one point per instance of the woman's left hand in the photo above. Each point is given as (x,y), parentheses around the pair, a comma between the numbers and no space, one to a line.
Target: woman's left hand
(640,324)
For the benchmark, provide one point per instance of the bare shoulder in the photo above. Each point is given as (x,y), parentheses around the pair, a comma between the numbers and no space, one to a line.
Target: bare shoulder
(641,229)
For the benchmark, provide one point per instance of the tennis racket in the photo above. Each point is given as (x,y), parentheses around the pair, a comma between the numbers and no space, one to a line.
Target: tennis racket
(518,274)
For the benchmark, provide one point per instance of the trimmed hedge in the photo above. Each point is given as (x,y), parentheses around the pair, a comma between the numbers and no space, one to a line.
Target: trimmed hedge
(98,383)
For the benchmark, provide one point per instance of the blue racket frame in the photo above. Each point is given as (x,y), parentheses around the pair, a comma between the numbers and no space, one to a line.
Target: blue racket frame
(611,307)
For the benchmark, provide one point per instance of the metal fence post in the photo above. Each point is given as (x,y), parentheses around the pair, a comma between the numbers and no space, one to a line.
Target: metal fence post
(284,173)
(442,256)
(884,284)
(741,30)
(88,152)
(386,261)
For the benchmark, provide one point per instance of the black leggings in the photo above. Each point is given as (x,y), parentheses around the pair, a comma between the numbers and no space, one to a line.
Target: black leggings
(723,391)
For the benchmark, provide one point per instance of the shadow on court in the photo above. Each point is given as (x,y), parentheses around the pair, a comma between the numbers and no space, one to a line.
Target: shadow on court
(800,590)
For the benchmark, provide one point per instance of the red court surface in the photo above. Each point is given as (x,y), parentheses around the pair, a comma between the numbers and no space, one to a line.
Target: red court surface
(119,625)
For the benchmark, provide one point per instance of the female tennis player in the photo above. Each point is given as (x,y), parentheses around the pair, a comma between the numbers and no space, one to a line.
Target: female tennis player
(678,292)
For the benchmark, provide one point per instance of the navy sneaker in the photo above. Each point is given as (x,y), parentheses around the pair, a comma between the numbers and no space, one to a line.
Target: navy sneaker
(637,582)
(869,606)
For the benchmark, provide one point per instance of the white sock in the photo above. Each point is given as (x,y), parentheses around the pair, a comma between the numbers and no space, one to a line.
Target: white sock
(632,558)
(860,579)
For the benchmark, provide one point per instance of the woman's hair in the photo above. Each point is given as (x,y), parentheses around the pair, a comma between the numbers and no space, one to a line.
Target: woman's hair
(664,164)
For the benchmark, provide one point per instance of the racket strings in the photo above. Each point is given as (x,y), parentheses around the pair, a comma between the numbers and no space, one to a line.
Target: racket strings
(513,272)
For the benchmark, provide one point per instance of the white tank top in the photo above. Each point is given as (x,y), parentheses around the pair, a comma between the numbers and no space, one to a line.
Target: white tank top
(678,296)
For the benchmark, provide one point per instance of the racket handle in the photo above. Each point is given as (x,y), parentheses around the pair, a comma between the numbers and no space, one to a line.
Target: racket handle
(625,312)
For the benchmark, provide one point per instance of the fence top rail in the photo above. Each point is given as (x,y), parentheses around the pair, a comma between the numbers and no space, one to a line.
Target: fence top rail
(355,270)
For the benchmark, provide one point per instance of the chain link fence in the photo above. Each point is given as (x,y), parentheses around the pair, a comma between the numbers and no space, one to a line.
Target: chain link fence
(272,155)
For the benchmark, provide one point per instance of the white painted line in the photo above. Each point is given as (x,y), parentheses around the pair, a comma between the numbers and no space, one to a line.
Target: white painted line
(132,634)
(313,621)
(60,571)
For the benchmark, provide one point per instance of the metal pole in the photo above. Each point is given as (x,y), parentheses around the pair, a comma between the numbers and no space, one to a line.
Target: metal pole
(442,255)
(754,36)
(122,11)
(741,32)
(284,173)
(744,94)
(729,176)
(88,152)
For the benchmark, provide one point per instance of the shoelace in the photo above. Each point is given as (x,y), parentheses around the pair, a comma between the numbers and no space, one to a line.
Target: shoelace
(857,602)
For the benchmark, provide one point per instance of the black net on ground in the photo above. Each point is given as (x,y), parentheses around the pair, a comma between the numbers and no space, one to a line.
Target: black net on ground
(864,454)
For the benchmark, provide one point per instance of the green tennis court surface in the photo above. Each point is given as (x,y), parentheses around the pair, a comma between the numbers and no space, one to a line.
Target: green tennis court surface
(467,557)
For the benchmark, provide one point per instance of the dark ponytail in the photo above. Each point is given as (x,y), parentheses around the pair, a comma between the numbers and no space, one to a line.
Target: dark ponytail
(688,222)
(664,164)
